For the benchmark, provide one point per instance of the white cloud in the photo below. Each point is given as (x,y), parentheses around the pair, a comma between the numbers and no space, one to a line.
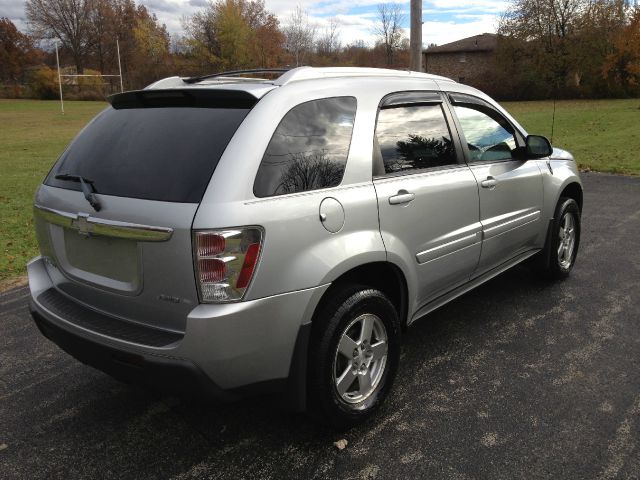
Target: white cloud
(493,6)
(446,32)
(444,20)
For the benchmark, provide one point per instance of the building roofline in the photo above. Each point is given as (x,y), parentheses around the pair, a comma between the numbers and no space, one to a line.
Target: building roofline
(485,42)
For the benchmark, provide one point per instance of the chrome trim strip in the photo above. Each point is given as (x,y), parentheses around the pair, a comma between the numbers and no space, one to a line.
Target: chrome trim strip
(451,242)
(87,225)
(504,223)
(447,248)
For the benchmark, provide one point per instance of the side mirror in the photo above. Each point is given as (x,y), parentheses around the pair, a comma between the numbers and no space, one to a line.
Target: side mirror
(538,146)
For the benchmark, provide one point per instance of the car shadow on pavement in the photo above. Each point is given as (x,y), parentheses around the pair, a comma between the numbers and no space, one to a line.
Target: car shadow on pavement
(100,419)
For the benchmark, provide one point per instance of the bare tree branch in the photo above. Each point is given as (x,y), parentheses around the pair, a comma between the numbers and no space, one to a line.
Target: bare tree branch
(388,28)
(300,35)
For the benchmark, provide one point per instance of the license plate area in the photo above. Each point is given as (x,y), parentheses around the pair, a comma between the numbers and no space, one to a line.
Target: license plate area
(107,262)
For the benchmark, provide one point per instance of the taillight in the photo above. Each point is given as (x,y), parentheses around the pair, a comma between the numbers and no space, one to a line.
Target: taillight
(225,261)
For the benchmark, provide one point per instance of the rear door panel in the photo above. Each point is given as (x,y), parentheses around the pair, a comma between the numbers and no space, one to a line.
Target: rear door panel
(439,230)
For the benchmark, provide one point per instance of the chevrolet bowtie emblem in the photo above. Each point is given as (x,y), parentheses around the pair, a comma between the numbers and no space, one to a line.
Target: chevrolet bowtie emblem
(81,223)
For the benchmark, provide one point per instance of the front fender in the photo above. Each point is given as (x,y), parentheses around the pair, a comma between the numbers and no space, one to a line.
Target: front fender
(563,171)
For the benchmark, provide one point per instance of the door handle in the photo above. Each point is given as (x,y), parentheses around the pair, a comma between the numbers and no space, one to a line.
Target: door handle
(490,182)
(402,197)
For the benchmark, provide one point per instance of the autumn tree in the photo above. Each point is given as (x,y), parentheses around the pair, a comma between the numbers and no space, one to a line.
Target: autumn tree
(547,27)
(69,21)
(231,34)
(268,38)
(16,52)
(102,21)
(389,29)
(151,51)
(234,36)
(556,47)
(623,64)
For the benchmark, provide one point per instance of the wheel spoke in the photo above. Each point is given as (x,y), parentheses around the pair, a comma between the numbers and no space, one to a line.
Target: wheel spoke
(560,250)
(364,382)
(367,329)
(347,346)
(379,350)
(345,380)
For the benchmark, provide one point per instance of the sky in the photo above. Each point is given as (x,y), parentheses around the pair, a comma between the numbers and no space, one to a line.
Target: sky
(444,21)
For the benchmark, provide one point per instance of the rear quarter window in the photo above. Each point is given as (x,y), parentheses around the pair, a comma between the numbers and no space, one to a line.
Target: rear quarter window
(165,154)
(309,148)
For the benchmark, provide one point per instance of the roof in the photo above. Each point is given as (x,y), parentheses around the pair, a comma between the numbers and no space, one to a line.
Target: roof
(486,42)
(309,73)
(260,86)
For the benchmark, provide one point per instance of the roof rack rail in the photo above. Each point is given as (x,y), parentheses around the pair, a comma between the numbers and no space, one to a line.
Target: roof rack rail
(308,73)
(234,73)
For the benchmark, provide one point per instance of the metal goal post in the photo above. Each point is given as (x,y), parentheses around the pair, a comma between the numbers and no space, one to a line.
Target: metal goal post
(60,75)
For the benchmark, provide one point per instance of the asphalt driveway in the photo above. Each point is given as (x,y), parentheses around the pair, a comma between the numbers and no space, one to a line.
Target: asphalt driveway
(517,379)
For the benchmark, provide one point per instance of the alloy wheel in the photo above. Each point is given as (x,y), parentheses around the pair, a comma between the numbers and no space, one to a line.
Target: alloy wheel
(360,358)
(567,240)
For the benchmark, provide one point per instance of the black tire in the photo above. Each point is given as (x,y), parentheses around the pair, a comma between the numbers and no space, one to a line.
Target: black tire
(346,305)
(547,263)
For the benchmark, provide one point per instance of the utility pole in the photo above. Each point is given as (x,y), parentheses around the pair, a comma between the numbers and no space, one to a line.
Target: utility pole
(415,42)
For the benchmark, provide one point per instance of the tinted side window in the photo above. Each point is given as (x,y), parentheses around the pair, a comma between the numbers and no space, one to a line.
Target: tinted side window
(414,137)
(489,138)
(309,148)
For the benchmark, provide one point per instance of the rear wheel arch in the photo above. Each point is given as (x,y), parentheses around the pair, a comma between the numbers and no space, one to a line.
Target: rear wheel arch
(384,276)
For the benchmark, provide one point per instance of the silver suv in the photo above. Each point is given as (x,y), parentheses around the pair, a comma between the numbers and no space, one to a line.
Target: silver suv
(237,235)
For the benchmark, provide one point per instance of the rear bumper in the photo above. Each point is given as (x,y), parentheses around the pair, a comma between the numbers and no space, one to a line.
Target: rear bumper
(181,376)
(227,351)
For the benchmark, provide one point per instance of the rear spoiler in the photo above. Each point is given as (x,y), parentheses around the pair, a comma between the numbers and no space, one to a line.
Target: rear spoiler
(192,97)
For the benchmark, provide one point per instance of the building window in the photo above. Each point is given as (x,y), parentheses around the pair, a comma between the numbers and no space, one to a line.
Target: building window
(463,57)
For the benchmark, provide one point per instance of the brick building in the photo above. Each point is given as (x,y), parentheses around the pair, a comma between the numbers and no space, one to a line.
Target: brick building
(466,61)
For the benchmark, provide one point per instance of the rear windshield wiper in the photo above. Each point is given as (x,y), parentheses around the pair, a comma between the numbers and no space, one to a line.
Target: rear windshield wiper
(84,185)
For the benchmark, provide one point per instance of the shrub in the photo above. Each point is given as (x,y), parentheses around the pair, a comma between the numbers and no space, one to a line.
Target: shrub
(43,84)
(12,90)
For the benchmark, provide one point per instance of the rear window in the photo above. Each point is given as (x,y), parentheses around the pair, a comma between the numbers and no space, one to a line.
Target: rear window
(165,154)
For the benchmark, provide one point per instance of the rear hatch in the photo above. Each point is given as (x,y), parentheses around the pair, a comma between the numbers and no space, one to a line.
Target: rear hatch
(113,217)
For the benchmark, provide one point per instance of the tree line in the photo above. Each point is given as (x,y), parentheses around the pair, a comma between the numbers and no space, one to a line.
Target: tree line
(223,35)
(546,48)
(568,48)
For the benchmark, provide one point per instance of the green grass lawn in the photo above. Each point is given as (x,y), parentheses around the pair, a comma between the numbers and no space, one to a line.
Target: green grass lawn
(32,136)
(602,134)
